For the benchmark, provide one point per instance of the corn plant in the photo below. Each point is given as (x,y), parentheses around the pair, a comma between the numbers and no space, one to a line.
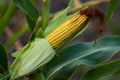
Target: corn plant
(48,56)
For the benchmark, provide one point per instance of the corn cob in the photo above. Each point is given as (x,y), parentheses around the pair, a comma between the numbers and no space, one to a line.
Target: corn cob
(67,30)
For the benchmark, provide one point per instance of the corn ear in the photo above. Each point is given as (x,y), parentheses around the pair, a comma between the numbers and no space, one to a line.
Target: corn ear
(67,30)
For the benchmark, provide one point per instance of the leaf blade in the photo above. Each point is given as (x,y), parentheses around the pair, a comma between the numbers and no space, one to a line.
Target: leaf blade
(30,10)
(83,53)
(45,14)
(3,60)
(103,72)
(111,10)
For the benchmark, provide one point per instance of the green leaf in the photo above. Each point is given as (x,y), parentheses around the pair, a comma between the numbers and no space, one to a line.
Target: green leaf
(67,72)
(3,7)
(32,57)
(83,53)
(7,16)
(29,9)
(64,73)
(5,76)
(111,10)
(79,71)
(15,37)
(103,71)
(117,72)
(3,60)
(45,14)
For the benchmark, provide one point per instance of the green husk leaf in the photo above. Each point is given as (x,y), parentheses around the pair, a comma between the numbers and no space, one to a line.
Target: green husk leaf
(17,53)
(32,57)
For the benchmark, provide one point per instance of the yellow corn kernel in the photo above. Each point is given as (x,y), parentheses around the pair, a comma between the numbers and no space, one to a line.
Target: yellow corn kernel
(64,31)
